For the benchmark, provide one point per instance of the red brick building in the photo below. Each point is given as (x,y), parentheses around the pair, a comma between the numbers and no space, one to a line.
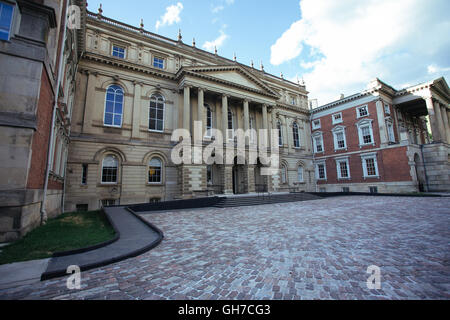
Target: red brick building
(384,140)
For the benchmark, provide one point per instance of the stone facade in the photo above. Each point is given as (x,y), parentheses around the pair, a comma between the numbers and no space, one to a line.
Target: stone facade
(192,85)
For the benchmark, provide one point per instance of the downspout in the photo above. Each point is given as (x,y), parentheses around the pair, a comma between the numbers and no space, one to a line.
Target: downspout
(52,128)
(312,148)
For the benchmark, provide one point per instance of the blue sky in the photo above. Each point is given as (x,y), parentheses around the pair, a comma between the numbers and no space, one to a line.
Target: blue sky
(336,46)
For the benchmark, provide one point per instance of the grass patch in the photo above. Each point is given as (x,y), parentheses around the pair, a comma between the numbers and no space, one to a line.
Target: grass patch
(69,231)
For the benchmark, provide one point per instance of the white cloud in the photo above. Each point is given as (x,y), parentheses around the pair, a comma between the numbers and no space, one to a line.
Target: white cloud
(353,41)
(171,16)
(217,9)
(217,43)
(433,69)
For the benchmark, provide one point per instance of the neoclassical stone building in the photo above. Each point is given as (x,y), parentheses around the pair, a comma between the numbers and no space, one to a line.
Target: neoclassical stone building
(135,88)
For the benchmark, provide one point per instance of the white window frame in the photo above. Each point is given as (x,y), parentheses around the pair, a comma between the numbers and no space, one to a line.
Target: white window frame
(323,162)
(12,18)
(336,130)
(161,168)
(338,168)
(163,62)
(163,111)
(117,170)
(302,180)
(231,132)
(365,157)
(363,124)
(358,114)
(318,135)
(114,106)
(120,47)
(284,174)
(314,126)
(387,109)
(339,120)
(390,131)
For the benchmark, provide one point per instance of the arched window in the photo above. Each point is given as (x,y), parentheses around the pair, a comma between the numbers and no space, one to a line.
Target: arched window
(296,135)
(110,166)
(155,171)
(300,174)
(209,121)
(230,125)
(280,133)
(113,106)
(156,114)
(283,174)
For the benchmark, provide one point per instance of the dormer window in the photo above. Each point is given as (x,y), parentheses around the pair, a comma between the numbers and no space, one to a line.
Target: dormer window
(158,63)
(118,52)
(362,111)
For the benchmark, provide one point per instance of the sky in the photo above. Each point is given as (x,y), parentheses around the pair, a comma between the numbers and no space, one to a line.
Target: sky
(336,47)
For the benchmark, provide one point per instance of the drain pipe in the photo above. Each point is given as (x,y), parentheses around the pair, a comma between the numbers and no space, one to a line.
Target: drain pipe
(52,128)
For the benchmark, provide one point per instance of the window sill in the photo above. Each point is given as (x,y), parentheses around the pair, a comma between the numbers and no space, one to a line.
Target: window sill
(371,177)
(367,145)
(341,149)
(344,179)
(156,184)
(107,185)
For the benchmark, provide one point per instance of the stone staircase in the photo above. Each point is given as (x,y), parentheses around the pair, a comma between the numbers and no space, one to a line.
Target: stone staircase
(228,202)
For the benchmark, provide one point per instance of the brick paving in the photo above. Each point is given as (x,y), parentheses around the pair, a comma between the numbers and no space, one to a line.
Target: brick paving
(303,250)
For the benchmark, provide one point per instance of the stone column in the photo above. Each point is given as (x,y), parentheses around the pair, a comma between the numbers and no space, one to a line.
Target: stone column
(440,121)
(284,129)
(136,110)
(246,116)
(381,122)
(224,117)
(264,123)
(187,108)
(433,122)
(201,108)
(446,123)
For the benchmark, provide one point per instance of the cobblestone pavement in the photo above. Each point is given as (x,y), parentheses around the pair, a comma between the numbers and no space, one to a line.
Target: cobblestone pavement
(304,250)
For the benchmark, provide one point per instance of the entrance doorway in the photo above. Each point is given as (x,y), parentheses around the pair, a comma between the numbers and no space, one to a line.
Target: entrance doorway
(238,177)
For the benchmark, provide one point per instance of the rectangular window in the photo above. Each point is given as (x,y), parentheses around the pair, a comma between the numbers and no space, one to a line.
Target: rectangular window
(108,202)
(84,172)
(118,52)
(155,200)
(343,170)
(293,101)
(362,111)
(373,189)
(316,124)
(340,140)
(345,189)
(158,63)
(337,118)
(322,189)
(321,173)
(391,135)
(318,143)
(370,167)
(82,207)
(6,16)
(366,135)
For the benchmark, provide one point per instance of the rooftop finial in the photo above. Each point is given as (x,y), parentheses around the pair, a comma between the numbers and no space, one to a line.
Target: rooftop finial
(100,10)
(180,37)
(142,24)
(262,66)
(303,82)
(252,64)
(215,50)
(281,75)
(193,42)
(234,58)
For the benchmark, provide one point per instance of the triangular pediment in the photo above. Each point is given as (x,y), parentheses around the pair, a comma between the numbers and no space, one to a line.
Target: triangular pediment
(231,75)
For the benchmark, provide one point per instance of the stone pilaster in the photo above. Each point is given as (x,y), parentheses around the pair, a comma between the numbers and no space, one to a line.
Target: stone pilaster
(187,108)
